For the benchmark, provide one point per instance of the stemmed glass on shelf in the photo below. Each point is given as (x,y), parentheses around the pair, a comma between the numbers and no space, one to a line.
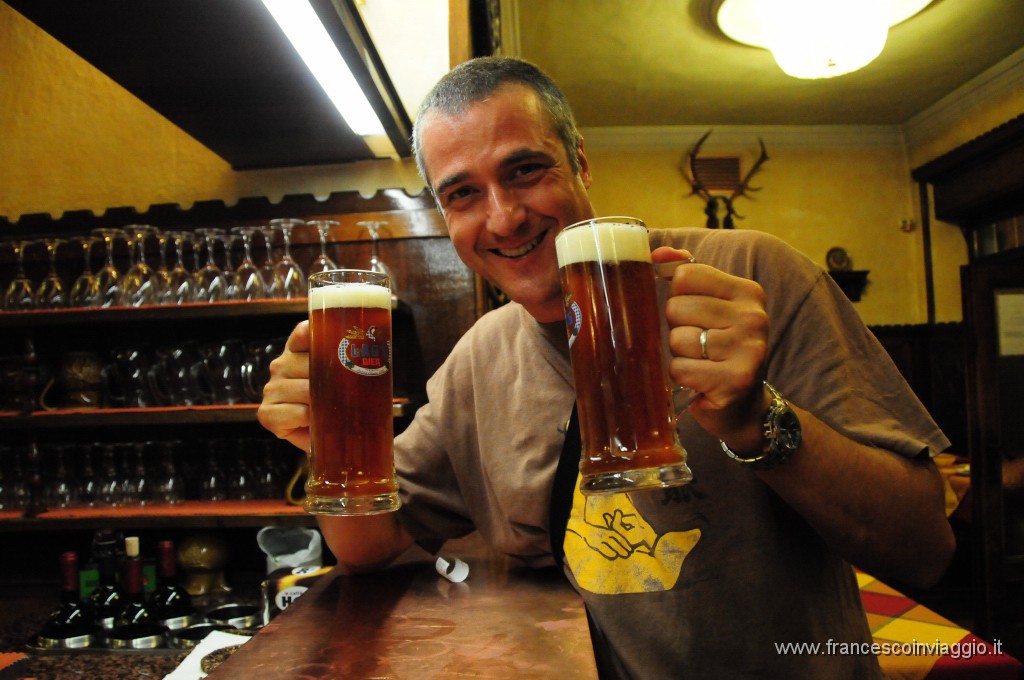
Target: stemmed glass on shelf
(51,293)
(163,272)
(288,269)
(106,290)
(376,264)
(249,283)
(210,284)
(81,289)
(323,262)
(180,283)
(19,295)
(139,285)
(271,276)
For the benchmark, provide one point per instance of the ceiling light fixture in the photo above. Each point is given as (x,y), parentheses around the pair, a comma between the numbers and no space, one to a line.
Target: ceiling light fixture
(816,38)
(310,39)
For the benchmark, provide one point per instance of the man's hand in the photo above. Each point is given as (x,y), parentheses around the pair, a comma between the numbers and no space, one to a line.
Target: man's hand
(730,398)
(285,406)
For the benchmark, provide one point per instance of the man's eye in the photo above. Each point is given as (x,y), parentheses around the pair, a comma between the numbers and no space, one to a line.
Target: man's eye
(526,170)
(457,193)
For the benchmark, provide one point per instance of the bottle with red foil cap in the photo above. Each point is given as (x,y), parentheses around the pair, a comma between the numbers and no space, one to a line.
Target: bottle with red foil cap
(71,624)
(171,603)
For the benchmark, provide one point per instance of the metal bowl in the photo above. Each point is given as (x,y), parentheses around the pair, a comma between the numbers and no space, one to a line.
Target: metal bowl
(234,615)
(136,636)
(74,642)
(190,636)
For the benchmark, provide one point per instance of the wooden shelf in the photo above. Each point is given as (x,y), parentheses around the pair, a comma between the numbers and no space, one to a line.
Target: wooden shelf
(173,415)
(148,314)
(199,514)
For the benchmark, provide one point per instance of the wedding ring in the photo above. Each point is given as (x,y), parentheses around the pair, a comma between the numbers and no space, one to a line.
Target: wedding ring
(704,344)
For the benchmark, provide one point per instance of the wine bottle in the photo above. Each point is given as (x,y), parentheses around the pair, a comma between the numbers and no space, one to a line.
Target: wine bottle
(136,610)
(171,603)
(71,623)
(106,601)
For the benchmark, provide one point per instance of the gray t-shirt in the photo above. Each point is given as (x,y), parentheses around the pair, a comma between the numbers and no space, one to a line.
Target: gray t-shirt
(716,572)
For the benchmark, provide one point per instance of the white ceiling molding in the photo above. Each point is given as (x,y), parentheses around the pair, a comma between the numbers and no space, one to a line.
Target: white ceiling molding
(654,138)
(989,86)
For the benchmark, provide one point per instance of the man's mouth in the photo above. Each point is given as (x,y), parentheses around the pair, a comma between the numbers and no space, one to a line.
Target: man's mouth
(520,251)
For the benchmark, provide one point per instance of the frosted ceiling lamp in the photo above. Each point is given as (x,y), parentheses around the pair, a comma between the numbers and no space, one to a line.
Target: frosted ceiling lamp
(816,38)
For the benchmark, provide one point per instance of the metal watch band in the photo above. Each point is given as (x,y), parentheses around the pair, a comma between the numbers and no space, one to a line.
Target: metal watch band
(773,455)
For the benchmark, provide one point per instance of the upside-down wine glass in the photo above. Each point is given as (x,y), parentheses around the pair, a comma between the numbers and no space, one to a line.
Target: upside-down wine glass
(210,284)
(106,289)
(271,276)
(180,282)
(323,263)
(19,295)
(81,289)
(163,272)
(249,283)
(288,269)
(139,286)
(51,293)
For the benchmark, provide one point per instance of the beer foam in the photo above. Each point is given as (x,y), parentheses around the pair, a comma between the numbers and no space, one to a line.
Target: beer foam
(349,295)
(603,242)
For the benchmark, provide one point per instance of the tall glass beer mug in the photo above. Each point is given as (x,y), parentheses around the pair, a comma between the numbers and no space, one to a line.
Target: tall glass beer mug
(351,458)
(623,393)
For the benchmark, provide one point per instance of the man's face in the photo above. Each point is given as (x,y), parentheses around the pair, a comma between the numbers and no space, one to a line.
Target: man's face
(506,188)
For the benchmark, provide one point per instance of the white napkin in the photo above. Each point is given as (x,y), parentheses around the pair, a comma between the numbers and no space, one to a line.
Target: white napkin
(190,668)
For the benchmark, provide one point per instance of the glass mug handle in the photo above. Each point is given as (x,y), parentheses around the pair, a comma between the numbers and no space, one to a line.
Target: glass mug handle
(682,397)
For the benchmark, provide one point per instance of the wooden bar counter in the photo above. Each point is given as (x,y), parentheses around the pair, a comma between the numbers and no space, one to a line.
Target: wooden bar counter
(503,621)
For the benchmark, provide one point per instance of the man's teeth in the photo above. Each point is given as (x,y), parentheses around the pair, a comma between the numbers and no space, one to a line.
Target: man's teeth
(521,250)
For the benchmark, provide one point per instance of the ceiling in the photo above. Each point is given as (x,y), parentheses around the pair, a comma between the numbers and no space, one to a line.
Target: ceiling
(222,71)
(663,62)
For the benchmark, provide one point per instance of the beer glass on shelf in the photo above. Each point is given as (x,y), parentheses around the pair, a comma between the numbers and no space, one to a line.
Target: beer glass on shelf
(351,459)
(20,295)
(106,286)
(323,263)
(249,283)
(294,280)
(81,289)
(623,393)
(51,292)
(210,284)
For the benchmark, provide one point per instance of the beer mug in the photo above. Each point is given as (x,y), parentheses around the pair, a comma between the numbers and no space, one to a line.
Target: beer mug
(624,397)
(351,458)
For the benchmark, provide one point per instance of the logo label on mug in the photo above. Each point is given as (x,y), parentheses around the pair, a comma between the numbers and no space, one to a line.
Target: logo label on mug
(364,353)
(573,319)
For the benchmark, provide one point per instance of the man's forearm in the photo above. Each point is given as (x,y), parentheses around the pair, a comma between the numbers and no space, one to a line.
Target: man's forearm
(364,543)
(881,511)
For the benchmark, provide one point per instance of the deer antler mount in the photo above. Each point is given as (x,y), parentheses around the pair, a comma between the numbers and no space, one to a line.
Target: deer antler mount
(705,175)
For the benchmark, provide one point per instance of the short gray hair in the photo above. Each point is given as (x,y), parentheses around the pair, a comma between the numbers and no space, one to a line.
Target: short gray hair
(475,80)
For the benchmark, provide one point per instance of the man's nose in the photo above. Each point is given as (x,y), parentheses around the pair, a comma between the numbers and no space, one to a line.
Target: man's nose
(505,212)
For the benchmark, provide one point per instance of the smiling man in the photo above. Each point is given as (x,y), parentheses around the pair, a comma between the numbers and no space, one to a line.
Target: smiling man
(810,452)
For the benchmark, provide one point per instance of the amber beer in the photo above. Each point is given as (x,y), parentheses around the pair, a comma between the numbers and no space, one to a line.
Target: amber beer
(351,458)
(623,394)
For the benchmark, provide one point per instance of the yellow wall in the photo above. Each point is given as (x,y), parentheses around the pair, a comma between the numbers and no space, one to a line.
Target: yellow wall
(813,198)
(71,139)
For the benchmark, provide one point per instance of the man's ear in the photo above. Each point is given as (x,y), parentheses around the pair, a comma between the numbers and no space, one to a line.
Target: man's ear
(581,159)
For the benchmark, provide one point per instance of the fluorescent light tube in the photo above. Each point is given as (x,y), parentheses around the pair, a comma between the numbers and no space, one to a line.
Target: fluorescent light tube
(309,38)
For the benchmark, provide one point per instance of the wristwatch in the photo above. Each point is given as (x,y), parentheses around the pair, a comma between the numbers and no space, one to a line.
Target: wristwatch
(782,436)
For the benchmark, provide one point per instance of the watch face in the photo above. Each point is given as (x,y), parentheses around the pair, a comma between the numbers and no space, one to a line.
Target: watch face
(787,430)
